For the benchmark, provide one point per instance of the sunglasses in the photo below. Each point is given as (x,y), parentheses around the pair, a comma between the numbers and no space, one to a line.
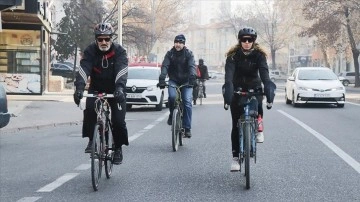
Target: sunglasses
(244,40)
(179,41)
(102,39)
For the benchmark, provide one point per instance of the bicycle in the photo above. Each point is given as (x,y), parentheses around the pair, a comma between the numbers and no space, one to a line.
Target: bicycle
(248,127)
(177,129)
(201,90)
(103,144)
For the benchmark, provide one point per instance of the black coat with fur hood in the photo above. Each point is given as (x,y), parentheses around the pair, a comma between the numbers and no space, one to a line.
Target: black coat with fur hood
(247,71)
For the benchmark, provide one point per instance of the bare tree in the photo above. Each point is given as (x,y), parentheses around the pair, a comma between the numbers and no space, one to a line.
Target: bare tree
(331,16)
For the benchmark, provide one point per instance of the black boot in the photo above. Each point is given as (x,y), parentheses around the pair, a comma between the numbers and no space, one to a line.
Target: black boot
(88,147)
(118,157)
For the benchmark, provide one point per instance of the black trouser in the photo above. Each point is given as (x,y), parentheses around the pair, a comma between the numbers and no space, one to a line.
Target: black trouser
(120,132)
(236,111)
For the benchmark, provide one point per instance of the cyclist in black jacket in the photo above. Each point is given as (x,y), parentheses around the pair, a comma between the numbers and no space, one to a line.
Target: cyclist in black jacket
(179,65)
(246,68)
(106,64)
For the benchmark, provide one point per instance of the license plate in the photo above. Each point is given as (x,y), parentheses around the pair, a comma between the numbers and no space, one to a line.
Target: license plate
(133,95)
(321,95)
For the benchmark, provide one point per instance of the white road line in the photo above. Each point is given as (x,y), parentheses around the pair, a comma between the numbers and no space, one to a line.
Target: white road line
(347,158)
(29,199)
(58,182)
(83,167)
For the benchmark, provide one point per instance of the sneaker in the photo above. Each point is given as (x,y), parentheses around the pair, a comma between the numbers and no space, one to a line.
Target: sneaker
(260,137)
(169,121)
(188,133)
(260,124)
(204,95)
(194,102)
(235,166)
(89,147)
(118,157)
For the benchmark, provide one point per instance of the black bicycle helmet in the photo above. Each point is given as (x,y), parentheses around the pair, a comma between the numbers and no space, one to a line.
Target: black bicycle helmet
(103,29)
(201,61)
(247,31)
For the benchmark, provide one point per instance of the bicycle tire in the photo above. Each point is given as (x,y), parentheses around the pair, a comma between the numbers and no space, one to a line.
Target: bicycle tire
(247,147)
(96,159)
(175,130)
(179,127)
(109,157)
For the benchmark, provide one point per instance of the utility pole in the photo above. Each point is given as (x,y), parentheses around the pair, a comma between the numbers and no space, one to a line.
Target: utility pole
(120,21)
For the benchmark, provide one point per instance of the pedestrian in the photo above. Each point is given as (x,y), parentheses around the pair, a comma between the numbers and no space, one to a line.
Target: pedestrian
(105,63)
(246,68)
(179,65)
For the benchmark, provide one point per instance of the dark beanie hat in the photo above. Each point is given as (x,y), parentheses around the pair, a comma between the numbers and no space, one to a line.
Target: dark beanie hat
(180,38)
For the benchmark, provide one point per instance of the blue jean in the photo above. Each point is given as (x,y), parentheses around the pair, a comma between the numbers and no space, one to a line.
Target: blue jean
(186,95)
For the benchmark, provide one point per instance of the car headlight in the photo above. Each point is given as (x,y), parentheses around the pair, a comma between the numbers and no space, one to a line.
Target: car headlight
(151,88)
(304,88)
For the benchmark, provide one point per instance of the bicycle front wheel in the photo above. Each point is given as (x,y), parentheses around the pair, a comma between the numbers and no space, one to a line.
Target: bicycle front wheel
(96,159)
(175,129)
(247,147)
(109,150)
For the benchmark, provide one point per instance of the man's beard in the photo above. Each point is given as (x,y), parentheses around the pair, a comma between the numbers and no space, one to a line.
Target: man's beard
(104,48)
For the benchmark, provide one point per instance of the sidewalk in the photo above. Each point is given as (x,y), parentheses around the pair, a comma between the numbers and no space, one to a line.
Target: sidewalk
(39,111)
(58,109)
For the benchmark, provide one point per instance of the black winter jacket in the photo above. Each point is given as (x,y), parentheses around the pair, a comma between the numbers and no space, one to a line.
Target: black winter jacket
(107,70)
(245,71)
(179,65)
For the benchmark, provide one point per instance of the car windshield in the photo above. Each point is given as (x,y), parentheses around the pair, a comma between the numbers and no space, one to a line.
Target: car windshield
(316,75)
(151,74)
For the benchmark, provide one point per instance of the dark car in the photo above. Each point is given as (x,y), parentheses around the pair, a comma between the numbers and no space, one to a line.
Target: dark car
(62,69)
(4,115)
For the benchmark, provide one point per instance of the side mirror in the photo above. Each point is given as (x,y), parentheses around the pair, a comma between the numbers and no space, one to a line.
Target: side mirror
(291,78)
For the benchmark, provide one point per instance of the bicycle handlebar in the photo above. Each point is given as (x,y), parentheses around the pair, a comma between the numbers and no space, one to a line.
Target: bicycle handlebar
(99,95)
(251,92)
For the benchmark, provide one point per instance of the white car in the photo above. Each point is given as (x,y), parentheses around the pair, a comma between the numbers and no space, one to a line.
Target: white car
(141,87)
(314,85)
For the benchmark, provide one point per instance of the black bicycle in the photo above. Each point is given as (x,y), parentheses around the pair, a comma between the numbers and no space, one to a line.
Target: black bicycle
(102,151)
(177,129)
(248,127)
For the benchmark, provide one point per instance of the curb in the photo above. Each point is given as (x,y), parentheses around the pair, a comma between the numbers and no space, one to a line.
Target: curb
(37,127)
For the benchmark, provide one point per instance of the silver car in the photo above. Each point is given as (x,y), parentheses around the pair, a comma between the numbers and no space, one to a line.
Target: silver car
(347,78)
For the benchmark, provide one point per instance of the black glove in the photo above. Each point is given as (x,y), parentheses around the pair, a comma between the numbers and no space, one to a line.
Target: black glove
(119,95)
(161,84)
(78,95)
(192,80)
(269,90)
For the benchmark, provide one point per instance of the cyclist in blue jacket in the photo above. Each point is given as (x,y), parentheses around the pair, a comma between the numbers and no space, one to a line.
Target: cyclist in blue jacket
(246,68)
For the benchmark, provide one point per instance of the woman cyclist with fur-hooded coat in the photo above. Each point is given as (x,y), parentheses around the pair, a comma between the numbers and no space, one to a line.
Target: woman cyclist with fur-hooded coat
(246,68)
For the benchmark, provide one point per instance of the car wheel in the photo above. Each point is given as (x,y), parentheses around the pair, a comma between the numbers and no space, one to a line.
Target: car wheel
(287,101)
(346,82)
(159,106)
(128,107)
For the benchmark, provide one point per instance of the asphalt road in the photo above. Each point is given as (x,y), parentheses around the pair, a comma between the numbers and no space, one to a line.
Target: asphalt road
(310,154)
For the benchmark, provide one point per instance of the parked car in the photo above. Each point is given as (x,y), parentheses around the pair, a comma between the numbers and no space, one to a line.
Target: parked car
(347,78)
(314,85)
(141,87)
(62,69)
(4,114)
(277,75)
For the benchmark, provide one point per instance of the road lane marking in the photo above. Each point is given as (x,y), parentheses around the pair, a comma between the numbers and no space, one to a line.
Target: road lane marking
(58,182)
(148,127)
(29,199)
(347,158)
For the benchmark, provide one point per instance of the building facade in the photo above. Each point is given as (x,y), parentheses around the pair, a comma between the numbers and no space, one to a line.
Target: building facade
(24,46)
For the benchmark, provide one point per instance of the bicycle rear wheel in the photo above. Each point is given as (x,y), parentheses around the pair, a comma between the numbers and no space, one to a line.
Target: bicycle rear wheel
(96,156)
(175,129)
(247,147)
(109,150)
